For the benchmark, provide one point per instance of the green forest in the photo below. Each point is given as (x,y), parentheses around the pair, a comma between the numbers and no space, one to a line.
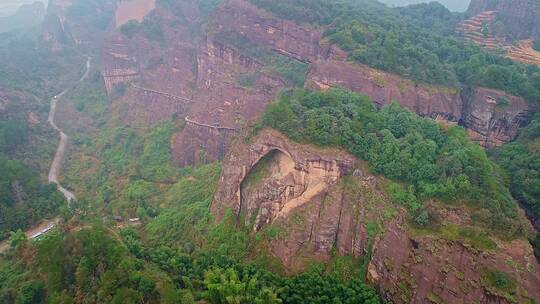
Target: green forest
(428,160)
(179,257)
(521,159)
(142,229)
(388,40)
(25,198)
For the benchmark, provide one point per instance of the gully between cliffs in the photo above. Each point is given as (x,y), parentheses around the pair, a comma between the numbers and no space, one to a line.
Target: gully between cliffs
(61,150)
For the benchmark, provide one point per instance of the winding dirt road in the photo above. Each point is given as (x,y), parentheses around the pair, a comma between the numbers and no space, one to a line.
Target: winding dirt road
(56,165)
(54,171)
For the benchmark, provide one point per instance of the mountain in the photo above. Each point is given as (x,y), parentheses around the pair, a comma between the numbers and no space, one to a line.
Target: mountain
(10,7)
(453,5)
(259,151)
(27,16)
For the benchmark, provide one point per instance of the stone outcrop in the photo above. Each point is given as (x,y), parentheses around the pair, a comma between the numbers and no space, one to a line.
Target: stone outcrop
(118,64)
(222,105)
(206,71)
(506,24)
(409,268)
(321,202)
(491,117)
(517,19)
(316,197)
(132,10)
(146,106)
(474,29)
(260,27)
(293,175)
(430,101)
(66,24)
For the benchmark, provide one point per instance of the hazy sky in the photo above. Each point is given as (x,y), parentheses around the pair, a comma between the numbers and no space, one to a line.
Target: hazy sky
(8,7)
(454,5)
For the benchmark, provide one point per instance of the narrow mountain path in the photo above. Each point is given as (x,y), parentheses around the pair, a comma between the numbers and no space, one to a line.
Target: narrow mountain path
(56,165)
(54,171)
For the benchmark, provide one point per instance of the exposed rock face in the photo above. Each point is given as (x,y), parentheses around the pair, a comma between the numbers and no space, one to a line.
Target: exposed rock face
(118,65)
(147,106)
(496,25)
(518,19)
(284,36)
(66,24)
(221,105)
(383,88)
(476,109)
(200,143)
(430,269)
(322,203)
(315,197)
(198,79)
(132,10)
(292,175)
(493,117)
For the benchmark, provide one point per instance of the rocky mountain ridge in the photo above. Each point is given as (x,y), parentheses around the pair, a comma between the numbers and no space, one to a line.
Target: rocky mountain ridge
(323,202)
(216,88)
(213,84)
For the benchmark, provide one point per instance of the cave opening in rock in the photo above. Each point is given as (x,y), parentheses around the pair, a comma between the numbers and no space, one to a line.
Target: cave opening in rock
(264,186)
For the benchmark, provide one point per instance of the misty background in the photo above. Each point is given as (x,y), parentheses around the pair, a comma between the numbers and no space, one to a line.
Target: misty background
(453,5)
(9,7)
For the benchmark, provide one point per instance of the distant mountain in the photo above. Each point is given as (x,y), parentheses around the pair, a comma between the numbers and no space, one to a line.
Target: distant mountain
(10,7)
(26,16)
(453,5)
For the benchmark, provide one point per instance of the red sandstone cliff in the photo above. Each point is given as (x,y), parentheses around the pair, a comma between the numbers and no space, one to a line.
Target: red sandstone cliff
(322,202)
(196,79)
(491,117)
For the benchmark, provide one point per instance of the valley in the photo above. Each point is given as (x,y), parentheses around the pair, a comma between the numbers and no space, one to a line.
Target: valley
(256,151)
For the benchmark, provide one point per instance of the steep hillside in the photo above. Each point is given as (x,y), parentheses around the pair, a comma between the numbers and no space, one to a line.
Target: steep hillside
(454,5)
(77,23)
(442,238)
(516,19)
(274,152)
(27,16)
(512,26)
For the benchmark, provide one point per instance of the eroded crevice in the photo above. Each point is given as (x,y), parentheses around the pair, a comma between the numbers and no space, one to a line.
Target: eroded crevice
(268,185)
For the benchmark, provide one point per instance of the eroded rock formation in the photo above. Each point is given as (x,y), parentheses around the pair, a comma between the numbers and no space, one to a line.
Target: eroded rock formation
(416,268)
(509,24)
(262,28)
(221,86)
(430,101)
(517,19)
(321,202)
(67,23)
(491,117)
(289,175)
(221,104)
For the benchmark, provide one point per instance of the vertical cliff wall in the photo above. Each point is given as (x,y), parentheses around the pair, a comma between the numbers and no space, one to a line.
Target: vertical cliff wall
(321,202)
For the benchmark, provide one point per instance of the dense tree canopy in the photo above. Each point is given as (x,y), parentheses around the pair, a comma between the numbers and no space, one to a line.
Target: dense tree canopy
(392,40)
(432,161)
(24,198)
(522,161)
(181,256)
